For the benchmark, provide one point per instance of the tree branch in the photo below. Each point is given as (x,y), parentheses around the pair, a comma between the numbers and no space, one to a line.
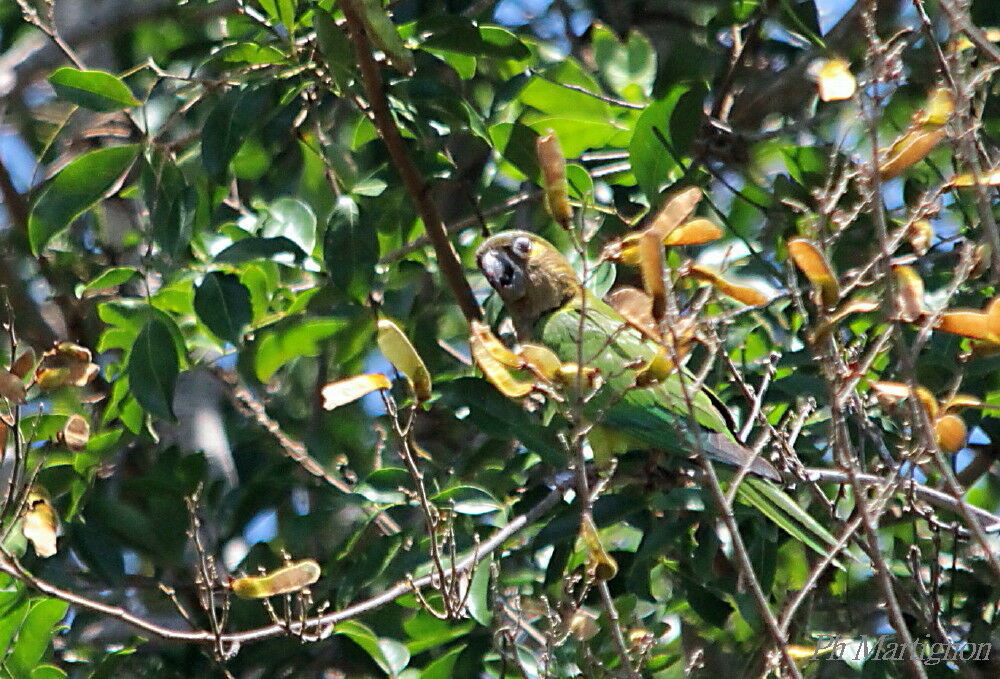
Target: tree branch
(385,124)
(10,566)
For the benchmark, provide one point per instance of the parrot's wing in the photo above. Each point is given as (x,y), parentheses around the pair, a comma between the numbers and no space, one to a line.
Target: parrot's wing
(659,416)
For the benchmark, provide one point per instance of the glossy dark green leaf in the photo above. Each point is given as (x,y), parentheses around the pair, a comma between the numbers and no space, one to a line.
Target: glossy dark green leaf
(252,248)
(236,116)
(94,90)
(336,48)
(350,250)
(171,202)
(516,143)
(153,368)
(499,416)
(384,35)
(222,303)
(292,219)
(443,667)
(75,189)
(252,53)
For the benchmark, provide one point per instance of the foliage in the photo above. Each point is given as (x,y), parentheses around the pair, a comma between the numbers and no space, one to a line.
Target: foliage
(216,211)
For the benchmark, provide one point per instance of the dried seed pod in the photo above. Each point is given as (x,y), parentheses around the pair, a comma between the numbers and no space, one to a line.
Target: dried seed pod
(342,392)
(951,433)
(294,577)
(553,164)
(817,269)
(396,347)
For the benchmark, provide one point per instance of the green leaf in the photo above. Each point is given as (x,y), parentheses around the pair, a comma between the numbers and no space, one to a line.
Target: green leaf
(35,635)
(301,338)
(388,654)
(336,48)
(350,250)
(111,278)
(470,500)
(479,594)
(516,143)
(75,189)
(653,164)
(47,672)
(94,90)
(223,304)
(12,614)
(153,368)
(292,219)
(499,416)
(238,114)
(260,248)
(628,68)
(385,37)
(252,53)
(442,667)
(546,93)
(172,203)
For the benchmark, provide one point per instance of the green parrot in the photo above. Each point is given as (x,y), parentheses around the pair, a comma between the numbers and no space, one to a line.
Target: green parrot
(548,305)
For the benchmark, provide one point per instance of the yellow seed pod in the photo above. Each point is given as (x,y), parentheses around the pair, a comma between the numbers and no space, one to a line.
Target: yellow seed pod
(286,580)
(919,234)
(910,149)
(540,359)
(940,105)
(342,392)
(743,294)
(951,433)
(553,164)
(396,347)
(496,361)
(817,269)
(41,523)
(599,562)
(909,293)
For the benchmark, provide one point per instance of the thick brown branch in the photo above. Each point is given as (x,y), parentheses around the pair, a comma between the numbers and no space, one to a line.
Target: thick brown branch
(381,116)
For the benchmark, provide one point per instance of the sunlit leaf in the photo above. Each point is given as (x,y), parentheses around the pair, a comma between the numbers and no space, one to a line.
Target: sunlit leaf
(892,392)
(938,109)
(694,232)
(540,360)
(94,90)
(988,178)
(342,392)
(599,562)
(919,234)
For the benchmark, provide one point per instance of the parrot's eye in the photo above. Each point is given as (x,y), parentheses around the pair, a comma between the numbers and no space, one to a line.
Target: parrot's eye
(521,246)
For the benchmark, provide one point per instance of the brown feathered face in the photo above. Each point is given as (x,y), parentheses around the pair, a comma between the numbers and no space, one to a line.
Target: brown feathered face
(530,275)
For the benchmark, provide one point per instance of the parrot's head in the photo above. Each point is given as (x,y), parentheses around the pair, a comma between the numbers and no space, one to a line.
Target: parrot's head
(531,276)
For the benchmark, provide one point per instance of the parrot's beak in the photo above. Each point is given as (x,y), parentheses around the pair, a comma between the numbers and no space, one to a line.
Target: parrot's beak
(503,274)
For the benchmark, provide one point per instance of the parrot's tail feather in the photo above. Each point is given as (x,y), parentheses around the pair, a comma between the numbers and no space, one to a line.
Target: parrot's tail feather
(720,447)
